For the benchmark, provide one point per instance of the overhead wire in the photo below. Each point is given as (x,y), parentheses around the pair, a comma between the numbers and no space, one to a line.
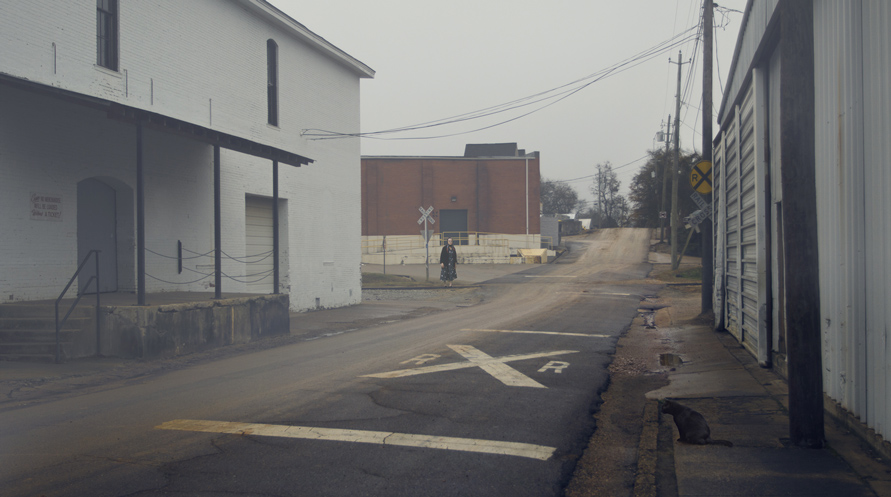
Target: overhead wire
(592,175)
(551,97)
(717,61)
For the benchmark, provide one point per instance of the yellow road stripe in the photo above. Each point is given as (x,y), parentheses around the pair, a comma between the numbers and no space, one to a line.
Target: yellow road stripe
(550,276)
(538,332)
(539,452)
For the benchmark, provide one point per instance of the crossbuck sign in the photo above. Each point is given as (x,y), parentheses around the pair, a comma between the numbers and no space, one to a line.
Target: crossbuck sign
(425,216)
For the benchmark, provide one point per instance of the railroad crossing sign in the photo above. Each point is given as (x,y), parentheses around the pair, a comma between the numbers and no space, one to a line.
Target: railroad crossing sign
(425,215)
(704,212)
(701,177)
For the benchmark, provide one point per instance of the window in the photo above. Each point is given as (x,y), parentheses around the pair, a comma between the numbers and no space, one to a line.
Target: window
(272,82)
(107,33)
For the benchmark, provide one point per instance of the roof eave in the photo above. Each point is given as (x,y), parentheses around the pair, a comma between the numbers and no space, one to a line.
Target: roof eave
(272,14)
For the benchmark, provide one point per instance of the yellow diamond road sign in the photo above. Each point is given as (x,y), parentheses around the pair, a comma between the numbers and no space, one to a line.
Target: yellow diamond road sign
(701,177)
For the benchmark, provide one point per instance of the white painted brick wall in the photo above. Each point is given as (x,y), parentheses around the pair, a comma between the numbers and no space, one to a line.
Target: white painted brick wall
(190,52)
(176,58)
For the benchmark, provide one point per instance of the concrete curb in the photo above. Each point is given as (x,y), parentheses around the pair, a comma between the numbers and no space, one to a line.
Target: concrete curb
(645,481)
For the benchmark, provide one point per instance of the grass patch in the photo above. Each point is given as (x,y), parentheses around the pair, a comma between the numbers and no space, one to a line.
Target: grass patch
(378,280)
(694,273)
(680,275)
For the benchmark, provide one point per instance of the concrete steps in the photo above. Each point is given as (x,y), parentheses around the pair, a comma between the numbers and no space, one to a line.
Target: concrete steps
(28,331)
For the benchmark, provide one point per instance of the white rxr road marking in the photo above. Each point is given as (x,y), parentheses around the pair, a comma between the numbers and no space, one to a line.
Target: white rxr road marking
(495,366)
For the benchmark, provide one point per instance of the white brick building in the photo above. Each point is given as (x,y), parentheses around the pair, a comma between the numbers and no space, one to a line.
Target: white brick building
(81,80)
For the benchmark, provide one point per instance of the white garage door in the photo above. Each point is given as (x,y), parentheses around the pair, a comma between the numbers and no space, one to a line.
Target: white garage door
(737,230)
(258,260)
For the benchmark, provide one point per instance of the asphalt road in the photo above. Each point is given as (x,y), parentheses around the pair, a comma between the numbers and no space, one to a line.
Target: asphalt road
(492,399)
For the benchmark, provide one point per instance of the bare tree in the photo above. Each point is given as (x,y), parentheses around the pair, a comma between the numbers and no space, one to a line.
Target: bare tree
(606,192)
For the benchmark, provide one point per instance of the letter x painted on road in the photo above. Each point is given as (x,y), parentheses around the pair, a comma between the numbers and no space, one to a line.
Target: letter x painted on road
(495,366)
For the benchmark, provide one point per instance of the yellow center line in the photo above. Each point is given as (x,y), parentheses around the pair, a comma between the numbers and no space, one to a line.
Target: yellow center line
(529,332)
(550,276)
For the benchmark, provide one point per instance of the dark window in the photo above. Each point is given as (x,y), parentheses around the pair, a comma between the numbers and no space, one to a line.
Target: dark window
(272,82)
(107,33)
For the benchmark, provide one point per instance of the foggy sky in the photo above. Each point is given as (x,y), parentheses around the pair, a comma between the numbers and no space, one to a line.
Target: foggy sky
(437,60)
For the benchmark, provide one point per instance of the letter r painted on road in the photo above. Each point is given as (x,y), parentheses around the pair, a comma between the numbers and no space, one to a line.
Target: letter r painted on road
(421,359)
(557,366)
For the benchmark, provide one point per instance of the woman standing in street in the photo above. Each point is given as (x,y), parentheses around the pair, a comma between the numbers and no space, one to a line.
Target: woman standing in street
(448,260)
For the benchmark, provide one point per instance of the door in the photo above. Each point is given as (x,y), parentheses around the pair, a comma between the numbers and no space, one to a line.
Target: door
(96,230)
(741,254)
(258,244)
(454,225)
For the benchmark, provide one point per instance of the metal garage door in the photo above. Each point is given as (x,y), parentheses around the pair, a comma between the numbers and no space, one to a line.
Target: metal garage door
(738,183)
(719,207)
(258,260)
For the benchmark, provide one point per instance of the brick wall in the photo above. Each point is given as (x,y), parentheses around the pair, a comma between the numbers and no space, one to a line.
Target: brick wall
(493,191)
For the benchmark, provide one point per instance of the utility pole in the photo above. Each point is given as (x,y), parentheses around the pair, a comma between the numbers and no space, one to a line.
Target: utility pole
(665,183)
(675,218)
(797,128)
(708,265)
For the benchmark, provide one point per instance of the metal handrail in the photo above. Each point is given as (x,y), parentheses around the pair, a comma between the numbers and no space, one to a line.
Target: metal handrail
(410,242)
(59,324)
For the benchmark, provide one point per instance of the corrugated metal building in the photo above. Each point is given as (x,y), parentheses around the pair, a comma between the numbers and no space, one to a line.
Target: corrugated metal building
(852,114)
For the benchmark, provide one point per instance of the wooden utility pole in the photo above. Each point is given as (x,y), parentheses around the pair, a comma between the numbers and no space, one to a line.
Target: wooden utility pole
(798,178)
(675,218)
(664,183)
(708,269)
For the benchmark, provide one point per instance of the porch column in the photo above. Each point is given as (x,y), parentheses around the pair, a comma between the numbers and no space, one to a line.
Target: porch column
(140,220)
(217,227)
(275,234)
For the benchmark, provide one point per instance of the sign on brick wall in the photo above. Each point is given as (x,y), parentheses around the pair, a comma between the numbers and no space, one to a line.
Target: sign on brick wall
(46,207)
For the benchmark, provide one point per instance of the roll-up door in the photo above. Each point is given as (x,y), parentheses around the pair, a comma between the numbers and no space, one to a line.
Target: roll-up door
(719,208)
(741,236)
(730,220)
(258,260)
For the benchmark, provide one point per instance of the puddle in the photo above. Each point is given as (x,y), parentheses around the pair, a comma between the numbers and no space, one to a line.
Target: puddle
(670,360)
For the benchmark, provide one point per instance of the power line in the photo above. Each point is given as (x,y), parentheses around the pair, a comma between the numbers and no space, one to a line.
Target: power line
(592,175)
(717,61)
(551,97)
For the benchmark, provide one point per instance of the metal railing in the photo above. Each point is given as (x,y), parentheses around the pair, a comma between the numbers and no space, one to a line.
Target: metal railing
(408,242)
(60,324)
(547,242)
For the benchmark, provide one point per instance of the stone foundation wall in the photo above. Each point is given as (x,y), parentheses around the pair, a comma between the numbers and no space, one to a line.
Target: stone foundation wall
(176,329)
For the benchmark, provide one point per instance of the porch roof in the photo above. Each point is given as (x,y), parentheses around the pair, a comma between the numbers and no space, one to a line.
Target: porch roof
(163,123)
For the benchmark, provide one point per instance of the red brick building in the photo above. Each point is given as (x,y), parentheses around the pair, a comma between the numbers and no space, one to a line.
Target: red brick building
(493,188)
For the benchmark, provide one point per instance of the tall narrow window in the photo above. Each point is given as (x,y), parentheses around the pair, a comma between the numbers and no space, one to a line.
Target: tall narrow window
(272,82)
(107,33)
